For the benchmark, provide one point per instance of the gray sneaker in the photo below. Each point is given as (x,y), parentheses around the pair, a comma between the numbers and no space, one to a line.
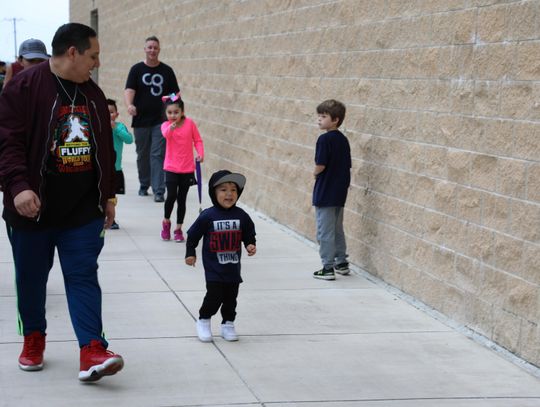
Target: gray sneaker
(342,269)
(325,274)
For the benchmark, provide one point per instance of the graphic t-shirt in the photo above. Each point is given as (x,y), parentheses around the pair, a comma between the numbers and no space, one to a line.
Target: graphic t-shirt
(150,84)
(224,231)
(71,193)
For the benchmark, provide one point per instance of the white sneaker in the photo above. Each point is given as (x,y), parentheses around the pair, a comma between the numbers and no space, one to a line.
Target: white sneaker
(204,330)
(228,332)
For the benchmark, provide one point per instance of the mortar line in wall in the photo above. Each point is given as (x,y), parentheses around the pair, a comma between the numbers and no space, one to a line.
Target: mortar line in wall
(466,186)
(438,278)
(537,20)
(348,51)
(347,78)
(197,45)
(216,107)
(197,12)
(454,183)
(290,164)
(357,78)
(265,175)
(285,141)
(435,211)
(375,107)
(410,203)
(433,245)
(249,132)
(256,153)
(318,28)
(280,161)
(449,148)
(379,135)
(235,20)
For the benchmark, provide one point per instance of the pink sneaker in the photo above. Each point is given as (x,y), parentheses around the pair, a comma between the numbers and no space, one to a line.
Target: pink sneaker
(165,230)
(178,236)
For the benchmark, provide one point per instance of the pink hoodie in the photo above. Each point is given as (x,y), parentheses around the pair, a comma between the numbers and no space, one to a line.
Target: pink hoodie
(179,150)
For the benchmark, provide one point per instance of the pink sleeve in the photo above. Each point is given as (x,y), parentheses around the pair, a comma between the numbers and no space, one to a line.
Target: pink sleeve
(166,129)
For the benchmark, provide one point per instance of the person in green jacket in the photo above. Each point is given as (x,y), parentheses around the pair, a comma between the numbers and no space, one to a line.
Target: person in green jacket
(121,135)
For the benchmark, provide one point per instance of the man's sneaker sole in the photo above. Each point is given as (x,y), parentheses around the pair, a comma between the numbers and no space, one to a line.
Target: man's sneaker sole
(31,368)
(325,276)
(110,367)
(343,272)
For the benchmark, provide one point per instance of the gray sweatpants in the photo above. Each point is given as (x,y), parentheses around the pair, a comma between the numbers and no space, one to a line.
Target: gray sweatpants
(330,234)
(150,147)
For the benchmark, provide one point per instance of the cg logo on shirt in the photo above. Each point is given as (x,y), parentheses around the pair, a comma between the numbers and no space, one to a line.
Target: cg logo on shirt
(155,81)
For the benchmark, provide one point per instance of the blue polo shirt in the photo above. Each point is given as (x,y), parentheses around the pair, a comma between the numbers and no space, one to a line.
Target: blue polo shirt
(331,186)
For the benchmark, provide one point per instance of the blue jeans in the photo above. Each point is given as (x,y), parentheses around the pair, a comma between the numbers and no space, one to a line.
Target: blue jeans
(330,235)
(150,148)
(78,249)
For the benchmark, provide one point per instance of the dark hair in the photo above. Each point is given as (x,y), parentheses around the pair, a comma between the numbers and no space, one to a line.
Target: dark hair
(72,35)
(334,108)
(112,102)
(152,38)
(169,101)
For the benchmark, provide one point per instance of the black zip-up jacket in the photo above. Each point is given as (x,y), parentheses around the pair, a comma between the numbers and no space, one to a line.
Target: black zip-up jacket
(28,116)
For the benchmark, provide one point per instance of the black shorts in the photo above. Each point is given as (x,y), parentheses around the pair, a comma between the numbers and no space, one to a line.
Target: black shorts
(119,182)
(183,179)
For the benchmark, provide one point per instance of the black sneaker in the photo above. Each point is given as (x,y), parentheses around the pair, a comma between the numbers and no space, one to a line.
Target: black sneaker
(115,226)
(343,269)
(143,191)
(325,274)
(159,198)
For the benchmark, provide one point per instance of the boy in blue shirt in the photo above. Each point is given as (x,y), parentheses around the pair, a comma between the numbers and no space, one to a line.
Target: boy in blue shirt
(224,227)
(332,179)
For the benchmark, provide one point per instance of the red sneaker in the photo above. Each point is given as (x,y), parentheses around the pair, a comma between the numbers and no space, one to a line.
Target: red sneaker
(31,357)
(96,362)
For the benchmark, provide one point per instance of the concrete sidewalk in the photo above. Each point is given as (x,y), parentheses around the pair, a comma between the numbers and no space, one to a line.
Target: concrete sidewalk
(303,342)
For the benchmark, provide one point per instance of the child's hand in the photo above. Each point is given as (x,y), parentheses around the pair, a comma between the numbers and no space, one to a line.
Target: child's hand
(190,261)
(199,159)
(251,249)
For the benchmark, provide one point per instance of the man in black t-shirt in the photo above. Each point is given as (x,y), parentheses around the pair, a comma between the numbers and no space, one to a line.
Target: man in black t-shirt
(147,82)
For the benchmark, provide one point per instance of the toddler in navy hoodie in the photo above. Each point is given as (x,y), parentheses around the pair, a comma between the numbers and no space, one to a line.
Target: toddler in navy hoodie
(223,227)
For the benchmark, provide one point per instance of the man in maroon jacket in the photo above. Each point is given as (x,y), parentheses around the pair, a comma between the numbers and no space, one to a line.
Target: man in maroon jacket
(57,175)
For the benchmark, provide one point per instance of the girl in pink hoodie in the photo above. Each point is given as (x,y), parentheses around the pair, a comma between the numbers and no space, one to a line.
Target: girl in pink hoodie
(181,136)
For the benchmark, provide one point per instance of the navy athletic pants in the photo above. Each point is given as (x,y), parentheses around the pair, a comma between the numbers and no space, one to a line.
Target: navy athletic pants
(78,250)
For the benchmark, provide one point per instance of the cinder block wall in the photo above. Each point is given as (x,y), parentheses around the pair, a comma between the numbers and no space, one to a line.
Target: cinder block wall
(443,119)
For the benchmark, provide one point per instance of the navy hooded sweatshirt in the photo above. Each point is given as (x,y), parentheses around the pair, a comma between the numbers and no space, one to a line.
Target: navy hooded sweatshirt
(223,232)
